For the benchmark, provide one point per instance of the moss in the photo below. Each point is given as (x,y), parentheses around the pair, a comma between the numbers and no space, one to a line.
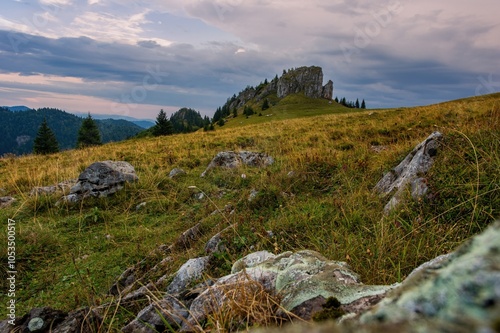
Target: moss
(331,310)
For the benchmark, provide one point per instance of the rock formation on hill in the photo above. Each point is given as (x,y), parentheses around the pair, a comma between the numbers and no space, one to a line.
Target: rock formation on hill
(308,80)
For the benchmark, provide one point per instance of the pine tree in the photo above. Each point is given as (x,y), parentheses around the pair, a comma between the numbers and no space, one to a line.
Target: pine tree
(221,122)
(163,126)
(363,105)
(88,135)
(265,105)
(336,99)
(45,141)
(357,104)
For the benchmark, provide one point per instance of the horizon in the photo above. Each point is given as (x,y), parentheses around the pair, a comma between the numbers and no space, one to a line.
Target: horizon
(128,60)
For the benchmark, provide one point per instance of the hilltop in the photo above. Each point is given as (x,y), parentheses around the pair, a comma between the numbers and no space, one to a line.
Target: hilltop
(317,195)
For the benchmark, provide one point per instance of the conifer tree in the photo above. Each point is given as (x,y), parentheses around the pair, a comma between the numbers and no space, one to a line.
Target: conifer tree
(265,105)
(357,104)
(45,141)
(89,134)
(163,125)
(363,105)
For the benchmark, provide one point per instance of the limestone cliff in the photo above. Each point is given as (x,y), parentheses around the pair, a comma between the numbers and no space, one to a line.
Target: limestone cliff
(308,80)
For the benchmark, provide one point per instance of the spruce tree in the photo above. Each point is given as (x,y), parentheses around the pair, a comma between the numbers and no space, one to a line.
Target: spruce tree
(265,105)
(45,141)
(89,134)
(363,105)
(357,104)
(163,126)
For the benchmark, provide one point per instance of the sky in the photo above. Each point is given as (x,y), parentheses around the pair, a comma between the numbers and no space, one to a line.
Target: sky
(135,57)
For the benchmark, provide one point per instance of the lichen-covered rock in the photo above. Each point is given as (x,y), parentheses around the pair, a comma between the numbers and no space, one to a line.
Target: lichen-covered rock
(416,163)
(462,289)
(305,280)
(231,160)
(101,179)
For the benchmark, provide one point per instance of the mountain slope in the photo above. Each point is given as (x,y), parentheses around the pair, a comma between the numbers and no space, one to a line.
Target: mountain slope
(20,128)
(317,195)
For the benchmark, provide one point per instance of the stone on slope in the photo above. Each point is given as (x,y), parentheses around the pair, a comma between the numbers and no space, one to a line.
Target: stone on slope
(176,172)
(416,163)
(101,179)
(156,316)
(231,160)
(191,271)
(6,202)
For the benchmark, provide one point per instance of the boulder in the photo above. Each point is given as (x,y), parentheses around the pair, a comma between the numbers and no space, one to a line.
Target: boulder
(101,179)
(231,160)
(408,172)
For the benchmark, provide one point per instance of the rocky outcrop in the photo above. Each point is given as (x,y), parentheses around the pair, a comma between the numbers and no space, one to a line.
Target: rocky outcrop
(308,80)
(410,171)
(327,92)
(101,179)
(231,160)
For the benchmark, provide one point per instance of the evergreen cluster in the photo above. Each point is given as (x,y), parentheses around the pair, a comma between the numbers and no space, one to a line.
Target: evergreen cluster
(19,129)
(350,104)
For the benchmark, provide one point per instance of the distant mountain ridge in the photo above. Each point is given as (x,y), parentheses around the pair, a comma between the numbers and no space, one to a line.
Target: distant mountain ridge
(16,108)
(19,129)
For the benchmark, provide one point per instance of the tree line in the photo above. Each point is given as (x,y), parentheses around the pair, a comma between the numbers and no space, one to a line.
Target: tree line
(350,104)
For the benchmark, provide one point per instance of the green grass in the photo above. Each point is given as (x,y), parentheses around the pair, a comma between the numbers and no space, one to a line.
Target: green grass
(69,256)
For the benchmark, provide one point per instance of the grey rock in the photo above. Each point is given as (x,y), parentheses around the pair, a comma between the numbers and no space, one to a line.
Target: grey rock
(59,187)
(101,179)
(214,245)
(154,317)
(176,173)
(6,201)
(418,188)
(308,80)
(418,162)
(251,260)
(188,237)
(460,290)
(188,273)
(327,92)
(231,160)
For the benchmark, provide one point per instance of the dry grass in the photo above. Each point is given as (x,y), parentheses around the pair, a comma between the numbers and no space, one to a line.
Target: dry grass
(327,205)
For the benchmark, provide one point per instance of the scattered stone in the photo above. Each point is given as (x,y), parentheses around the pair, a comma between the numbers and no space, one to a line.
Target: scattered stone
(378,149)
(140,206)
(214,245)
(188,273)
(156,316)
(188,237)
(176,173)
(101,179)
(243,176)
(60,187)
(6,202)
(199,196)
(416,163)
(231,160)
(251,260)
(49,320)
(253,195)
(291,174)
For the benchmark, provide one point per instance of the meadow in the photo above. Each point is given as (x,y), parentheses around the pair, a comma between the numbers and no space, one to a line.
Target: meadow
(318,195)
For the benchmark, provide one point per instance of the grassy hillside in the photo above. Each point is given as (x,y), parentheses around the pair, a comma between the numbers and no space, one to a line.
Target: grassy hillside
(68,256)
